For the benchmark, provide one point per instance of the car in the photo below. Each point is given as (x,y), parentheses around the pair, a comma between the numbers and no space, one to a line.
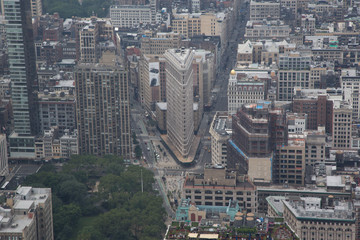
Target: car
(148,149)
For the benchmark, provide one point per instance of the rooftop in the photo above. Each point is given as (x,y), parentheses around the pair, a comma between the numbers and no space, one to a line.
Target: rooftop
(181,56)
(222,124)
(276,203)
(310,208)
(246,47)
(56,96)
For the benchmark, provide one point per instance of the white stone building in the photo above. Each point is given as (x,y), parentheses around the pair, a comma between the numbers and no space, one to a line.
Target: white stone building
(131,16)
(220,131)
(243,90)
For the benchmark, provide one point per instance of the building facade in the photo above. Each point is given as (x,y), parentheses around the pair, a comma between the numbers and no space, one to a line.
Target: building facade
(131,16)
(217,186)
(36,8)
(102,109)
(57,109)
(89,37)
(152,80)
(256,30)
(294,71)
(292,162)
(316,105)
(342,121)
(21,50)
(159,43)
(260,10)
(243,90)
(179,95)
(249,150)
(220,131)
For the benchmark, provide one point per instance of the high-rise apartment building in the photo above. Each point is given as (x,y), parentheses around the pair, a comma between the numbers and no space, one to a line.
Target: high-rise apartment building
(179,95)
(22,60)
(102,105)
(294,71)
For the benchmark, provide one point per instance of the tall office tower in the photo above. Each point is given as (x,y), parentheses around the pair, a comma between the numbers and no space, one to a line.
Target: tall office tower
(36,8)
(21,51)
(179,96)
(294,71)
(103,115)
(4,169)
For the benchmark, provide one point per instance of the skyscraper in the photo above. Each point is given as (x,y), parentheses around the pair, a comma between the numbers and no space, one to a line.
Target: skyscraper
(103,115)
(21,52)
(179,96)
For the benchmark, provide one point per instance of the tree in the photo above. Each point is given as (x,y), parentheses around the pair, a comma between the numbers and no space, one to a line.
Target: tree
(138,151)
(129,213)
(65,219)
(90,233)
(72,191)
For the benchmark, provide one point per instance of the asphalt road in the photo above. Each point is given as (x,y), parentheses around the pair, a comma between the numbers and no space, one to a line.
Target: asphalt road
(222,78)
